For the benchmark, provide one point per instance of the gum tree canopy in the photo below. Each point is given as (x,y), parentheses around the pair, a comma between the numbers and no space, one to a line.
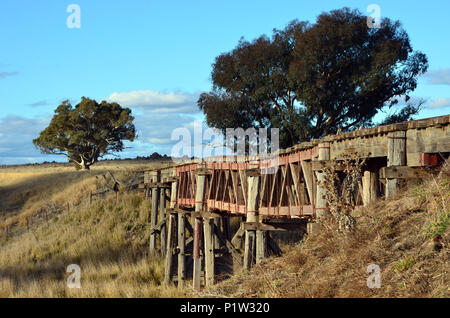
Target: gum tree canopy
(87,131)
(310,80)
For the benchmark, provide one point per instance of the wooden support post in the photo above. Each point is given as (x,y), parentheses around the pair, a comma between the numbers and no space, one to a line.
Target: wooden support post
(154,213)
(249,250)
(252,216)
(181,236)
(261,245)
(170,248)
(312,228)
(321,204)
(217,222)
(172,240)
(181,250)
(369,187)
(197,268)
(237,238)
(163,231)
(199,197)
(209,238)
(396,156)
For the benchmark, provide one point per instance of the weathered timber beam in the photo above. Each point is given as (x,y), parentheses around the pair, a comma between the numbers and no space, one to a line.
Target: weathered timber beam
(189,228)
(252,216)
(154,215)
(188,241)
(322,164)
(237,238)
(261,245)
(234,252)
(178,210)
(203,172)
(199,205)
(404,172)
(396,156)
(208,248)
(164,185)
(253,226)
(153,185)
(252,172)
(163,231)
(170,249)
(169,179)
(158,226)
(308,176)
(206,215)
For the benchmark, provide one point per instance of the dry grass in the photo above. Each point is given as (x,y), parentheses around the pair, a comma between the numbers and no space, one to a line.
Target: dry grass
(27,191)
(407,236)
(108,241)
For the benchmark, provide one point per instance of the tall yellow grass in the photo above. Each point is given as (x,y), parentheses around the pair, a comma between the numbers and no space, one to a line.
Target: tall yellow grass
(108,241)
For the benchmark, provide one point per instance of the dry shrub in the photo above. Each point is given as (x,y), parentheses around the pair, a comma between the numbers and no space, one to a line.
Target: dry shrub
(340,193)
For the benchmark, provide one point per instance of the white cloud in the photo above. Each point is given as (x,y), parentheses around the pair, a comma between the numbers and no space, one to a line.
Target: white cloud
(6,74)
(155,101)
(16,134)
(438,77)
(441,102)
(159,141)
(156,114)
(39,103)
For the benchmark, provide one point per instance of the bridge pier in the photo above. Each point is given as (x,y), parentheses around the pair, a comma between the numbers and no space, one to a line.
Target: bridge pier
(172,234)
(252,216)
(199,205)
(209,240)
(396,156)
(321,201)
(261,245)
(369,187)
(162,216)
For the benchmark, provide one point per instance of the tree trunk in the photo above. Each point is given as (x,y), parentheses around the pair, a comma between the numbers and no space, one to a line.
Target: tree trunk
(84,164)
(81,166)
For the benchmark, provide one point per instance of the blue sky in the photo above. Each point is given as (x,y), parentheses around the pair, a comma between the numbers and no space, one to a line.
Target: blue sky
(156,56)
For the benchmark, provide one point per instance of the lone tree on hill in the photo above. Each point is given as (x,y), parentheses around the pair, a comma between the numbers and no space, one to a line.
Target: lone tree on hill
(310,80)
(87,131)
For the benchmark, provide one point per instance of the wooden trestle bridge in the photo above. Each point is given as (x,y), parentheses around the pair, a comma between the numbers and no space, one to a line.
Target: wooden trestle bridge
(201,196)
